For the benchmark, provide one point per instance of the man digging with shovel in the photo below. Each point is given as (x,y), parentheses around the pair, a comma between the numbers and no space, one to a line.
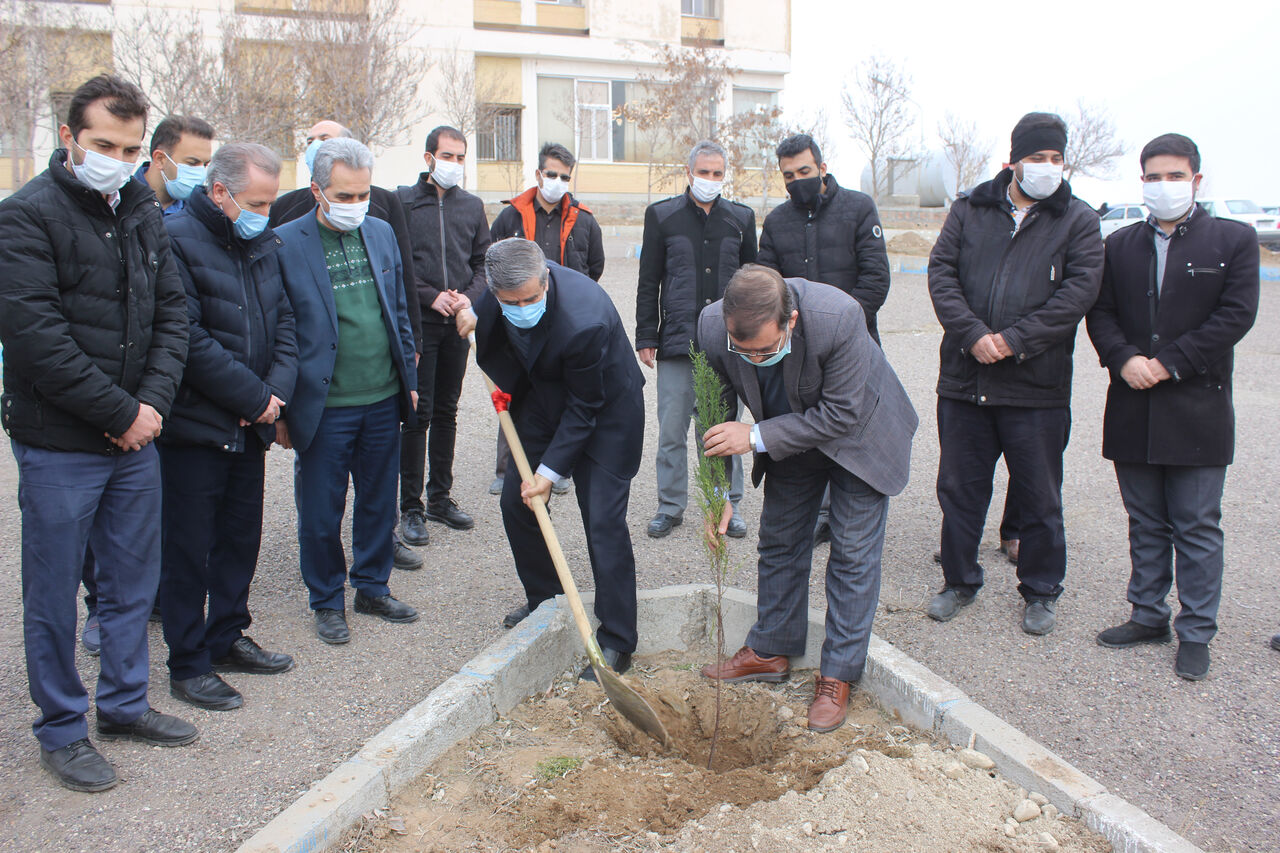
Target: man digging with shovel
(828,410)
(551,339)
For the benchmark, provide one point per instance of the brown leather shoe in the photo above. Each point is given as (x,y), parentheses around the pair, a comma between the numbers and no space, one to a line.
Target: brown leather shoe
(1010,549)
(746,665)
(830,704)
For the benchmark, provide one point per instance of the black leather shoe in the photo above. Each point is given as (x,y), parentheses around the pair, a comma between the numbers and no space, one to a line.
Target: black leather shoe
(946,604)
(405,559)
(663,524)
(1038,617)
(515,617)
(152,727)
(413,529)
(247,656)
(386,607)
(737,528)
(79,766)
(448,513)
(618,661)
(1131,634)
(495,488)
(562,486)
(821,531)
(1192,661)
(206,691)
(331,626)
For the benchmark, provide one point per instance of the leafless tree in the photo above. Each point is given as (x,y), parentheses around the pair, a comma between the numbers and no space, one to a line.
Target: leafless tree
(965,148)
(166,52)
(1092,143)
(466,101)
(878,114)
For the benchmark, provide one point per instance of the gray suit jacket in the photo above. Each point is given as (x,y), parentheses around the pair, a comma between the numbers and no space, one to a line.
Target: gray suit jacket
(846,401)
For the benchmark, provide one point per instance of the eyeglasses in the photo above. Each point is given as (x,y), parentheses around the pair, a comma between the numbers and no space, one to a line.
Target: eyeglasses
(750,353)
(551,176)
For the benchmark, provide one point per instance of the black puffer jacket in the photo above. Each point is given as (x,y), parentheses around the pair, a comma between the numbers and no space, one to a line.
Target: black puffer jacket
(92,315)
(686,261)
(839,243)
(1032,287)
(450,235)
(243,348)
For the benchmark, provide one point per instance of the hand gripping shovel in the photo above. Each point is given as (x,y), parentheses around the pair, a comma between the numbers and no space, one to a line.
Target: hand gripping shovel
(624,697)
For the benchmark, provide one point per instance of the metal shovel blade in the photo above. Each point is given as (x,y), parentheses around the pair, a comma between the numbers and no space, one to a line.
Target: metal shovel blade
(631,704)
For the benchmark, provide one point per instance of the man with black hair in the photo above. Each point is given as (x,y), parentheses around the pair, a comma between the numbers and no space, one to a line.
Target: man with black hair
(1179,291)
(566,230)
(1017,265)
(93,320)
(181,147)
(829,234)
(449,232)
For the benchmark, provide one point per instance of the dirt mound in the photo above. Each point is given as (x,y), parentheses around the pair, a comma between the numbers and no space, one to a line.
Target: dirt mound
(910,243)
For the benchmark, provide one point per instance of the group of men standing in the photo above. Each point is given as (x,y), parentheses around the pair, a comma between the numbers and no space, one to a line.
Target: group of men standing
(162,329)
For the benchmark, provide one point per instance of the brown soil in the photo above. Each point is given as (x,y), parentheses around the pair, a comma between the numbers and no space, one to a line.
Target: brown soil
(910,243)
(564,773)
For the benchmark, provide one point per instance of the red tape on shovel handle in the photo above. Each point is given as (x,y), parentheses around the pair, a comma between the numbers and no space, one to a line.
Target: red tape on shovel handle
(500,400)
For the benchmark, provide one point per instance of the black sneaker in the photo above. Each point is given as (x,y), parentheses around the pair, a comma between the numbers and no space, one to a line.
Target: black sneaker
(386,607)
(247,656)
(946,604)
(91,636)
(515,617)
(152,727)
(79,766)
(1131,634)
(331,626)
(206,691)
(404,558)
(662,525)
(1192,661)
(448,513)
(413,529)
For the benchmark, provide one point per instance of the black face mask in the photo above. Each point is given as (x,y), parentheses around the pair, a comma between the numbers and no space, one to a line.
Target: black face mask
(805,191)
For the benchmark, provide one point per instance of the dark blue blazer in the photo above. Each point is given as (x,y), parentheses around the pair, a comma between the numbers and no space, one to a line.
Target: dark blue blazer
(306,279)
(578,391)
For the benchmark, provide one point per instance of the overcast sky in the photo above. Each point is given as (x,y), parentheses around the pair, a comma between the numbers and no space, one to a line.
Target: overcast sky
(1210,70)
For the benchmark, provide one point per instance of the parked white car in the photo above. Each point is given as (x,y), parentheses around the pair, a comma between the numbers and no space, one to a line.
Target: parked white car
(1242,210)
(1120,216)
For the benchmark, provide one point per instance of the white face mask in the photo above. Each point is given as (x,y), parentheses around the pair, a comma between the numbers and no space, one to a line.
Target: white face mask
(1041,180)
(1168,200)
(345,217)
(704,190)
(446,173)
(99,172)
(551,190)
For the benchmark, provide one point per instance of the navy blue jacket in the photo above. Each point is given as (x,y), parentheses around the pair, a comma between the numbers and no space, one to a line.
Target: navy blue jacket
(578,391)
(306,279)
(242,343)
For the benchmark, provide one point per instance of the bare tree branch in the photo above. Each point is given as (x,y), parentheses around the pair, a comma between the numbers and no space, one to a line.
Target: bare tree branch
(878,115)
(966,150)
(1092,143)
(467,102)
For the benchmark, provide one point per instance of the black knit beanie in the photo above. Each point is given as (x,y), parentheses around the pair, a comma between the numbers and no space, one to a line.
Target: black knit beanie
(1037,132)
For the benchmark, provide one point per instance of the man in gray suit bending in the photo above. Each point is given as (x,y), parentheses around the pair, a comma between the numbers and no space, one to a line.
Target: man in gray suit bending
(828,409)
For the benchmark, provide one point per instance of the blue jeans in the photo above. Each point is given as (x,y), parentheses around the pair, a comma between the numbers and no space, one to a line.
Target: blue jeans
(71,501)
(351,442)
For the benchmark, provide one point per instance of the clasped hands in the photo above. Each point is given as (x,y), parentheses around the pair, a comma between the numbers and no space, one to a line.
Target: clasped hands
(1142,373)
(990,348)
(449,302)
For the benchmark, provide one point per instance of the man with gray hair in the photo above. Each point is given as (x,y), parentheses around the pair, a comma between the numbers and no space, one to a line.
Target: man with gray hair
(552,339)
(356,382)
(693,244)
(241,366)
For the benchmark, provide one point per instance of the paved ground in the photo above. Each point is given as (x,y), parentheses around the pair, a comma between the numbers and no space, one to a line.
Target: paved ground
(1205,758)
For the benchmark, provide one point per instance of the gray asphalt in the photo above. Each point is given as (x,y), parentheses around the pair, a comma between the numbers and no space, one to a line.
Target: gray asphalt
(1204,758)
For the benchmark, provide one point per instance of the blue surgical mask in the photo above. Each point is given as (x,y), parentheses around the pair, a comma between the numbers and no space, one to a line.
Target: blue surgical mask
(525,316)
(310,155)
(189,177)
(773,359)
(249,224)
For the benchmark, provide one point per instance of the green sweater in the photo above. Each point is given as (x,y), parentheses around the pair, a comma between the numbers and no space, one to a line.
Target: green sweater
(363,371)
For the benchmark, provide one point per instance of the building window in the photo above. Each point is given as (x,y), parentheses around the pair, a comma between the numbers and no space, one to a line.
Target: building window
(699,8)
(498,137)
(594,117)
(753,100)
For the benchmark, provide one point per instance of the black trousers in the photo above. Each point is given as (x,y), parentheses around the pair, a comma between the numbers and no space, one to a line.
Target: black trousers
(212,527)
(440,373)
(1032,440)
(602,498)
